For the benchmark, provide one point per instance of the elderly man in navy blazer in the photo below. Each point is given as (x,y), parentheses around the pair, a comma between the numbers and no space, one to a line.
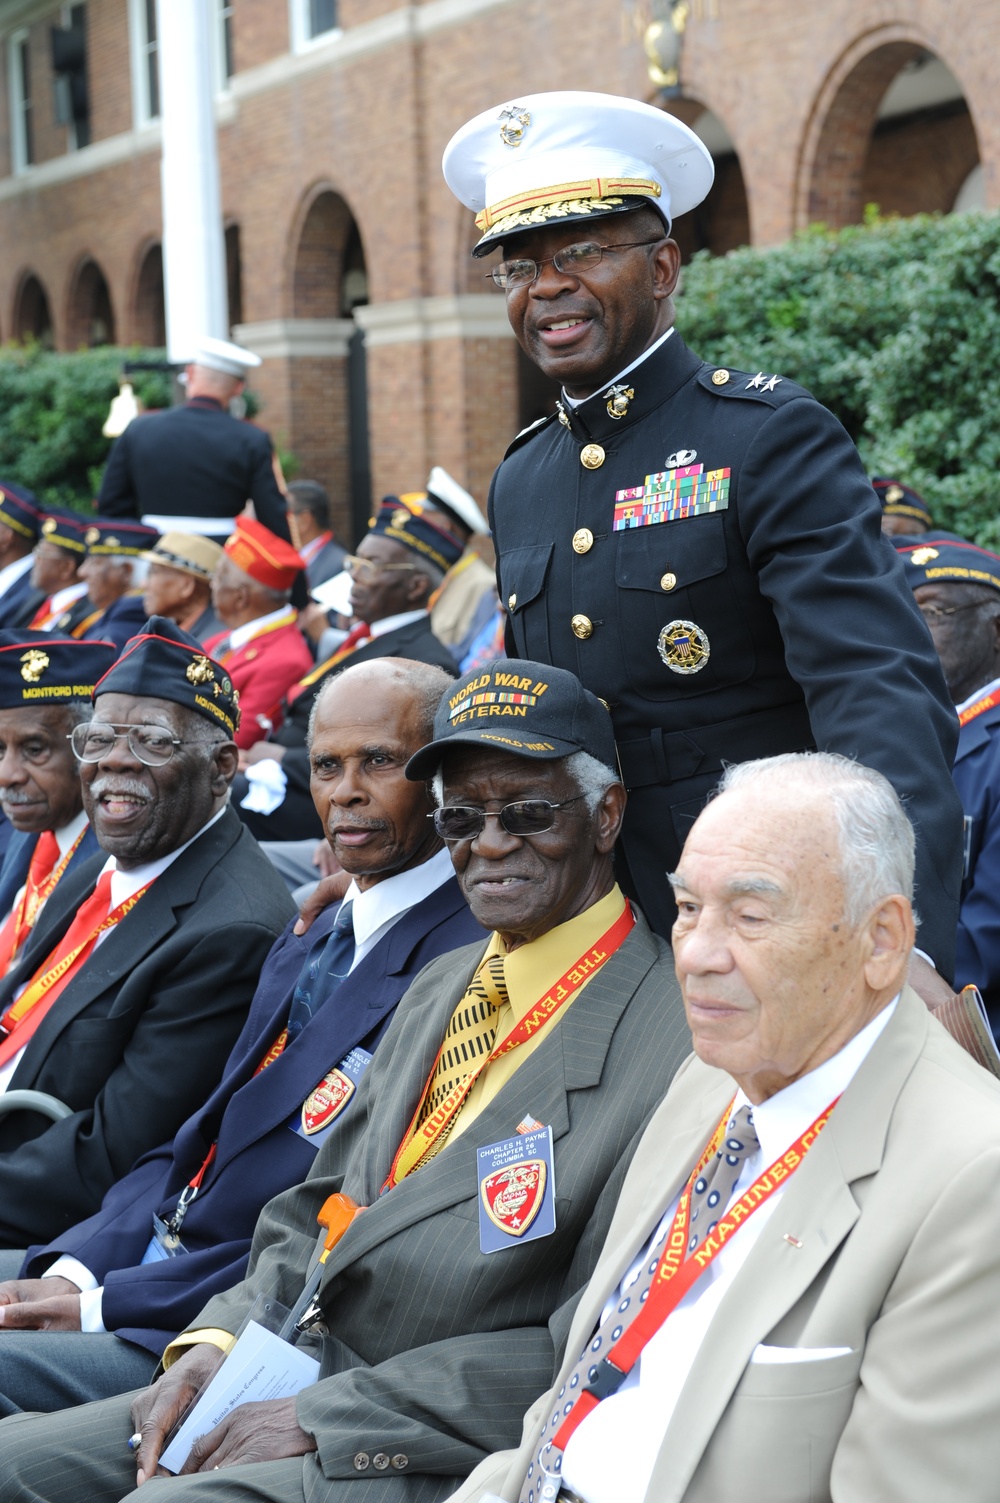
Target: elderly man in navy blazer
(177,1229)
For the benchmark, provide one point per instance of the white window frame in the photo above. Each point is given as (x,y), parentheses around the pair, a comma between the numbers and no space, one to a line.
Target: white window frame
(18,140)
(298,25)
(72,143)
(222,83)
(138,56)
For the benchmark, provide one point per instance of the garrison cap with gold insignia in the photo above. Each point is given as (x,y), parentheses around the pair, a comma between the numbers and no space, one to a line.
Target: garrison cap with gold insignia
(19,511)
(164,662)
(113,537)
(554,158)
(522,707)
(899,500)
(64,529)
(39,669)
(406,524)
(937,559)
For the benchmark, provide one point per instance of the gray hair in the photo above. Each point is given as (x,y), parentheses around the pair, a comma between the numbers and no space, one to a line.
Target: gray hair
(78,712)
(877,845)
(592,778)
(427,683)
(139,567)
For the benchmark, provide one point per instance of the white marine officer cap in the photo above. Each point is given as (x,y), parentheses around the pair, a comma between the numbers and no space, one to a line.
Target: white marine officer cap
(220,355)
(441,487)
(551,158)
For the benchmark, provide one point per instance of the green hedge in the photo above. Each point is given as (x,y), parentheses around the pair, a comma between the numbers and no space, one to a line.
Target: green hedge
(895,325)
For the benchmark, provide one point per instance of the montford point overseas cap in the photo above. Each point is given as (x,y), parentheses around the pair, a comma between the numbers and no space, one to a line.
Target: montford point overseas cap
(553,158)
(518,706)
(38,669)
(187,552)
(263,555)
(163,662)
(112,537)
(64,529)
(19,511)
(442,490)
(221,355)
(899,500)
(937,560)
(402,524)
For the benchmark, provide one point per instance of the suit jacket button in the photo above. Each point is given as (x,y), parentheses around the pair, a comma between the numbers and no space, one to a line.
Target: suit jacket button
(583,540)
(582,627)
(361,1461)
(400,1462)
(380,1461)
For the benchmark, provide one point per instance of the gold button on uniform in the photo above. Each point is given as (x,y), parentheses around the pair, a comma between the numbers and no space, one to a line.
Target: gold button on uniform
(668,581)
(582,627)
(512,602)
(591,456)
(583,540)
(719,378)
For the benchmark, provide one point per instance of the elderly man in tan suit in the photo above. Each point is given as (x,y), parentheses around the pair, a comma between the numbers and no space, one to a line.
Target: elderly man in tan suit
(797,1298)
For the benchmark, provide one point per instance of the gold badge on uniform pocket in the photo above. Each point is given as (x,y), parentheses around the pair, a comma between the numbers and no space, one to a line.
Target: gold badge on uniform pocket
(684,647)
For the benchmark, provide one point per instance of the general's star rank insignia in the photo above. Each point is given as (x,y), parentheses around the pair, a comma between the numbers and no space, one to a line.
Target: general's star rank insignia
(513,1197)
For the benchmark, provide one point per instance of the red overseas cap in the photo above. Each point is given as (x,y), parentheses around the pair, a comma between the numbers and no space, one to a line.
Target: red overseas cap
(263,555)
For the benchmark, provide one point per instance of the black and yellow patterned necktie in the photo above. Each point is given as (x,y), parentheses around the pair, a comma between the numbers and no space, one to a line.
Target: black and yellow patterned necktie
(471,1033)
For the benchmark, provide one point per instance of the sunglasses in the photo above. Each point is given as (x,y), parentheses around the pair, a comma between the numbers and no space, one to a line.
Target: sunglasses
(529,816)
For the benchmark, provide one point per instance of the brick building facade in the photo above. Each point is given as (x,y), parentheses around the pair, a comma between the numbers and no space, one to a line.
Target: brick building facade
(345,251)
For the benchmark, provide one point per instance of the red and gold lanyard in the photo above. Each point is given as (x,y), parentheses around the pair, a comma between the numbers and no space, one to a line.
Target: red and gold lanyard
(33,897)
(418,1141)
(979,707)
(676,1273)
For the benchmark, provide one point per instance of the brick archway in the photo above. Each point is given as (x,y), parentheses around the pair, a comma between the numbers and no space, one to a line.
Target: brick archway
(32,315)
(844,160)
(149,319)
(90,318)
(722,222)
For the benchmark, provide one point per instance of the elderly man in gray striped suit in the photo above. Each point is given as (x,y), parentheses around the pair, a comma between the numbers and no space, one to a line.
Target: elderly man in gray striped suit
(488,1146)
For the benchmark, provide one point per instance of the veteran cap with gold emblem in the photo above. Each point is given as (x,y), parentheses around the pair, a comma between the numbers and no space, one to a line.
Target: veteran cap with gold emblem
(899,500)
(164,662)
(554,158)
(402,520)
(39,669)
(937,559)
(522,707)
(113,537)
(64,529)
(19,511)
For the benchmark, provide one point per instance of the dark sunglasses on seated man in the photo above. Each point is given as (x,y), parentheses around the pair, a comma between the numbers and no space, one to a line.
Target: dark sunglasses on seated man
(529,816)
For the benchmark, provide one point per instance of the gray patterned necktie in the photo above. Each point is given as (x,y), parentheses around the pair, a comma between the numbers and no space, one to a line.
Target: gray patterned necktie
(710,1195)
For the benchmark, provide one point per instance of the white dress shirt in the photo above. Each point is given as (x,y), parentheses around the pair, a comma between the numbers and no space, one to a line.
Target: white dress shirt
(375,911)
(241,635)
(610,1457)
(61,601)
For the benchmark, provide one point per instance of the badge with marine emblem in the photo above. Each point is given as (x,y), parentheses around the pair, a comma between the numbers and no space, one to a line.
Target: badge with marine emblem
(199,671)
(618,399)
(921,556)
(325,1105)
(91,536)
(516,1190)
(33,664)
(683,646)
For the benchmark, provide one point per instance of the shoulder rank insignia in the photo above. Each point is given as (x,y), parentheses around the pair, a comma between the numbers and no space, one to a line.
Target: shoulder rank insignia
(760,382)
(512,1197)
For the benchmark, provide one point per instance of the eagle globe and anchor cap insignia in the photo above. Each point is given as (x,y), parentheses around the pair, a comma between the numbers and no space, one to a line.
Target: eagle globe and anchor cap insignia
(922,556)
(514,121)
(326,1102)
(512,1197)
(199,671)
(33,664)
(684,647)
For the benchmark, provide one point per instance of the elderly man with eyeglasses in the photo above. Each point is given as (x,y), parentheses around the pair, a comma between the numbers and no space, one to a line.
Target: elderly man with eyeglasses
(401,561)
(137,977)
(699,544)
(487,1145)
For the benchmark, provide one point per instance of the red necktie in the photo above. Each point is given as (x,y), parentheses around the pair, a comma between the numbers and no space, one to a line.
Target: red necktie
(44,859)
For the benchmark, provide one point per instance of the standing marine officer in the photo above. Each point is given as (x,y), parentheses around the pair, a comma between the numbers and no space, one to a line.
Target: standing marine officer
(700,545)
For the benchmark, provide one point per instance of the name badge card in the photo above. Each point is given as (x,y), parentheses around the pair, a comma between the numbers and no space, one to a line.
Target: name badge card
(319,1112)
(163,1244)
(517,1191)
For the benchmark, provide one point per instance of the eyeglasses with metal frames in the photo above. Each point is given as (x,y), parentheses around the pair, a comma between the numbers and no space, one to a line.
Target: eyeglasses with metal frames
(572,258)
(937,612)
(366,567)
(529,816)
(153,745)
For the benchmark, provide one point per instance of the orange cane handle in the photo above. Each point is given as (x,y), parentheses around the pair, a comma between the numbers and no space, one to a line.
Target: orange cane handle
(336,1214)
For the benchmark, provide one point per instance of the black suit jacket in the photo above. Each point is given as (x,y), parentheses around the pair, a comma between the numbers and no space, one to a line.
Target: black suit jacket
(14,602)
(192,461)
(296,818)
(139,1037)
(813,637)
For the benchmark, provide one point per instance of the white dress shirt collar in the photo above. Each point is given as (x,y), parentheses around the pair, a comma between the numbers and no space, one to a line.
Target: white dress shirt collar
(124,884)
(576,401)
(379,907)
(66,836)
(241,635)
(390,623)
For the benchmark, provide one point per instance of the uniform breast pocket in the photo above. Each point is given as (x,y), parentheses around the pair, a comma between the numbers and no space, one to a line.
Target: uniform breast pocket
(680,624)
(523,572)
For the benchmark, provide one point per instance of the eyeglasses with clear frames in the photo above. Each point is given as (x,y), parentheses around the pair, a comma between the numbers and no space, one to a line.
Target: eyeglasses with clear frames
(364,568)
(572,258)
(942,612)
(153,745)
(529,816)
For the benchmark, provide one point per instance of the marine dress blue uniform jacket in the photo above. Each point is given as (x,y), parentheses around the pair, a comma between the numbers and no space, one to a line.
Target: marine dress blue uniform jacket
(258,1152)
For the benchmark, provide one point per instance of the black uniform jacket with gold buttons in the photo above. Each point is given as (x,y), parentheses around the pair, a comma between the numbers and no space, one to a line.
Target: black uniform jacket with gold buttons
(778,621)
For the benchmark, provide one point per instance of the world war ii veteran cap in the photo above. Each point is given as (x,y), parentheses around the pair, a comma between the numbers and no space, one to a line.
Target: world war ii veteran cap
(522,707)
(107,538)
(263,555)
(937,560)
(899,500)
(38,669)
(187,552)
(554,158)
(163,662)
(19,511)
(400,524)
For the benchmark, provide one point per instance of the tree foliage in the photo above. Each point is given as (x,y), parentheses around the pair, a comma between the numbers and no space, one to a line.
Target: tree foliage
(894,325)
